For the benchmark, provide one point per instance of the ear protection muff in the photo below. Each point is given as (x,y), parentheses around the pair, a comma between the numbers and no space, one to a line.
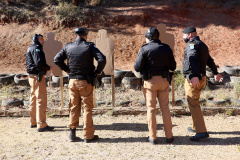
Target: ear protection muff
(35,37)
(151,33)
(81,30)
(148,34)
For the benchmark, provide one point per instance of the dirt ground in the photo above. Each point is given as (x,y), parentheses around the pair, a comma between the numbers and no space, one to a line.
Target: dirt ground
(121,137)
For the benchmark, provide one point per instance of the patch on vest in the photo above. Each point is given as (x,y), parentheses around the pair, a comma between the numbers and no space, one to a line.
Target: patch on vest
(37,50)
(191,46)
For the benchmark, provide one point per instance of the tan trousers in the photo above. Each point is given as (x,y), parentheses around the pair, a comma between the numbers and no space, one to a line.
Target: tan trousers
(193,96)
(157,87)
(38,101)
(80,92)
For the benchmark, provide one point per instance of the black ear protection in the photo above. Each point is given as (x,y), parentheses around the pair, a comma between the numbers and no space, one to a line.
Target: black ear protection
(35,37)
(152,33)
(81,30)
(148,34)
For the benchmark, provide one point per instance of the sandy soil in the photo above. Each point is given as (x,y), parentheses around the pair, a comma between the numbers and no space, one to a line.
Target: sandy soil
(122,137)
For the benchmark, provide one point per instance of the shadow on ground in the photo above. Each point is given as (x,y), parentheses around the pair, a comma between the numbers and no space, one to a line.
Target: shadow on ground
(140,127)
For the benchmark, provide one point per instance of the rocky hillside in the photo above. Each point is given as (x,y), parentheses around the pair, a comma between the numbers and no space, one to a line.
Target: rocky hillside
(217,23)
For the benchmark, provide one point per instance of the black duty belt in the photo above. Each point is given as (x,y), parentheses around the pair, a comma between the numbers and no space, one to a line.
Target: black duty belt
(78,77)
(164,74)
(156,73)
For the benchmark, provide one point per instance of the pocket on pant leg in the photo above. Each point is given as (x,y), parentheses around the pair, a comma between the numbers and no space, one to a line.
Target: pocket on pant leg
(87,97)
(191,92)
(194,94)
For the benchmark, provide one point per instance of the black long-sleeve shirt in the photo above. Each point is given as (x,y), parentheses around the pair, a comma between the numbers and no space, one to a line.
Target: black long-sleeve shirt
(80,58)
(155,57)
(196,57)
(35,60)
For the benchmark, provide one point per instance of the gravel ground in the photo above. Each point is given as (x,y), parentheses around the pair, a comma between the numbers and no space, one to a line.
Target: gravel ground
(122,137)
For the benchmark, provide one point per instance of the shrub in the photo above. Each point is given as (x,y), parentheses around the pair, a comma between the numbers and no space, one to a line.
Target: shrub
(69,12)
(179,80)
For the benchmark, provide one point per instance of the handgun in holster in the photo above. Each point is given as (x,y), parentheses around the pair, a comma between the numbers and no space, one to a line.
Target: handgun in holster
(146,75)
(92,79)
(168,75)
(40,75)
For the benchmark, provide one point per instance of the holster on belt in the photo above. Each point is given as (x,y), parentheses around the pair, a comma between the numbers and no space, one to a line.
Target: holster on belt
(92,79)
(146,74)
(40,75)
(168,75)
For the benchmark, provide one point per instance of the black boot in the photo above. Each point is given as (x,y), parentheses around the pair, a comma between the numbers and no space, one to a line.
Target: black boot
(95,138)
(72,135)
(199,136)
(152,141)
(47,128)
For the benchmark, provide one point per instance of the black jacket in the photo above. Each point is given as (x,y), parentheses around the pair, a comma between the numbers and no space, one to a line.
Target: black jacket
(80,58)
(196,57)
(35,60)
(155,57)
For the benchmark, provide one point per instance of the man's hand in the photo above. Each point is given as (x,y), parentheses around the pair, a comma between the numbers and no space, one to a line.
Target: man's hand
(195,82)
(218,78)
(51,68)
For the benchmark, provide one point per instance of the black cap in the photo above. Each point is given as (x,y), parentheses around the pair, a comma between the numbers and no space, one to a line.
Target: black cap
(189,30)
(35,37)
(81,30)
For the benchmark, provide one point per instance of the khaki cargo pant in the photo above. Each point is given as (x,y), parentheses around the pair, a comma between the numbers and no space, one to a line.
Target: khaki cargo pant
(38,101)
(157,87)
(81,93)
(193,96)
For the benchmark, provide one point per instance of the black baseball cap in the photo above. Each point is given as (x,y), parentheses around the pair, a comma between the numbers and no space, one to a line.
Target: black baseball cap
(189,30)
(81,30)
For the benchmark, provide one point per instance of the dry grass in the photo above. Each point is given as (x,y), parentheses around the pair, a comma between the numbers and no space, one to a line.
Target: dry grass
(104,94)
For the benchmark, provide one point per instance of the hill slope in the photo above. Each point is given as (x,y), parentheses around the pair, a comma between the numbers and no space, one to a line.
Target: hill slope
(219,28)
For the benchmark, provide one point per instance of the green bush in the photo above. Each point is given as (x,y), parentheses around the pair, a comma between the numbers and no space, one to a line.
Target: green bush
(179,80)
(69,12)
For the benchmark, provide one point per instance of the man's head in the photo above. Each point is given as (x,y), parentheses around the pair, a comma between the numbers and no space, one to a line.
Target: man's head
(152,33)
(189,33)
(81,32)
(38,38)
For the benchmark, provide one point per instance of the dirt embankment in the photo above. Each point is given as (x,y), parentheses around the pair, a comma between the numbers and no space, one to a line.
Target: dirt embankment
(219,28)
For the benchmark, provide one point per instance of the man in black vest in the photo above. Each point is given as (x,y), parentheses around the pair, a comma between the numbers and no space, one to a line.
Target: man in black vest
(37,67)
(82,72)
(196,57)
(154,61)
